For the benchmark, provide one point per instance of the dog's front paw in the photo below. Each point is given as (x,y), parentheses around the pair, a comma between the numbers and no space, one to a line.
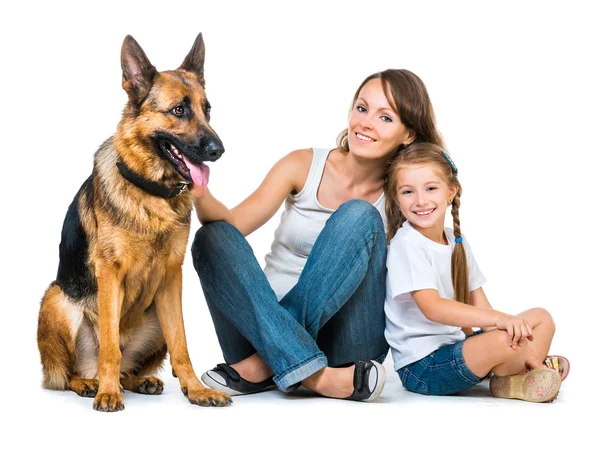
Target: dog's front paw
(207,397)
(109,402)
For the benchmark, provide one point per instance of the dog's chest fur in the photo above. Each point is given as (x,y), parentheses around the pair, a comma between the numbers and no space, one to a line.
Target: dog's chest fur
(142,260)
(144,273)
(137,235)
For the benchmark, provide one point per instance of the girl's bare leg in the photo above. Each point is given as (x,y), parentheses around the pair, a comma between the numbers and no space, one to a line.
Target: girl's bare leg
(543,332)
(490,351)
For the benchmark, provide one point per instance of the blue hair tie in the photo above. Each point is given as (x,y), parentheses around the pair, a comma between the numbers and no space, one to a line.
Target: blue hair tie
(458,240)
(447,157)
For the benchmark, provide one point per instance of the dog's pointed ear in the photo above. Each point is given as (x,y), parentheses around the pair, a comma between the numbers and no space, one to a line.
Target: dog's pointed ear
(194,61)
(138,72)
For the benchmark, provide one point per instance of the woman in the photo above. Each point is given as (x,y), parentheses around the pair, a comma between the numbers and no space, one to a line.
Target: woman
(315,315)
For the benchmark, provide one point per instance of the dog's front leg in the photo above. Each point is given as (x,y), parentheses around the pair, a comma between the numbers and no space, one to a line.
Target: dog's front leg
(170,315)
(110,300)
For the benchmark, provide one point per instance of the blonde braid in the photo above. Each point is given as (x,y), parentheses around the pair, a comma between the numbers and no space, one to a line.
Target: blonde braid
(460,269)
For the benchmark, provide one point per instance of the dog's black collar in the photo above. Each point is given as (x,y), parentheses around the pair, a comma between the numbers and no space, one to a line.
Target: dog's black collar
(149,186)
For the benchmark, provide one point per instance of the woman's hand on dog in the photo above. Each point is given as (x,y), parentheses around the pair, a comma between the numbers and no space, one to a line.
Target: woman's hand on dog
(208,208)
(199,191)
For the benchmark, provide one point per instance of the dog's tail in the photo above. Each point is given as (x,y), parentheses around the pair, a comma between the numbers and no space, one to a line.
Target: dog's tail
(55,342)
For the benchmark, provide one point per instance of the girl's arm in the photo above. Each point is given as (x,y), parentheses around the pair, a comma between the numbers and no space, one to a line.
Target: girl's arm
(479,300)
(287,175)
(450,312)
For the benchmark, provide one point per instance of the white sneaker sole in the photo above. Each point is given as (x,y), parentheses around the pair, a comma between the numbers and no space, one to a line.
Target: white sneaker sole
(214,384)
(211,381)
(381,377)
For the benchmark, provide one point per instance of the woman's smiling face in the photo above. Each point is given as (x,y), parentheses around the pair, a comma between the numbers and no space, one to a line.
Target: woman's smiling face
(374,127)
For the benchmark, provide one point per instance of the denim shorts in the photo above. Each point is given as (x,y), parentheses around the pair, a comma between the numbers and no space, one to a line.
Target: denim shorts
(442,372)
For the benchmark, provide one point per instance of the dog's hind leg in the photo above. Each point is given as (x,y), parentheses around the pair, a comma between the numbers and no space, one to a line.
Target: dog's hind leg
(58,322)
(84,387)
(143,385)
(143,357)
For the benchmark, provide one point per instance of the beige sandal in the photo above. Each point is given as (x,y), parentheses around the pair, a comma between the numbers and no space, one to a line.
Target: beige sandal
(558,363)
(537,385)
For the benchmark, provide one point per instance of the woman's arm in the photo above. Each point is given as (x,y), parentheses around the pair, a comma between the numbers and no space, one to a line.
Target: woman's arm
(209,208)
(287,175)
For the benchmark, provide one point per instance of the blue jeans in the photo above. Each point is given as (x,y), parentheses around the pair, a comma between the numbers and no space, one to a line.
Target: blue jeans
(333,315)
(442,372)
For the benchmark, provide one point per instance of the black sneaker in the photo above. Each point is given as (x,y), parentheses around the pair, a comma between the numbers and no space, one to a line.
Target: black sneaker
(369,380)
(225,378)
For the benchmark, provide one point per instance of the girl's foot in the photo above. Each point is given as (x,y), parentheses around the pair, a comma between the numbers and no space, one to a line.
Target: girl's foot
(558,363)
(537,385)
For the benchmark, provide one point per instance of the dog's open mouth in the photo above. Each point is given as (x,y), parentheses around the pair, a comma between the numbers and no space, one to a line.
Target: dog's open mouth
(198,173)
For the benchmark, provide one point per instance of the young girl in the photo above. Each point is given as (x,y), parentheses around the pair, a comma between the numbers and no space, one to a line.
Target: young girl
(435,296)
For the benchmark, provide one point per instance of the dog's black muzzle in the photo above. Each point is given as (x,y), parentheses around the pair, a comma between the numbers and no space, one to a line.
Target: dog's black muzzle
(206,146)
(209,149)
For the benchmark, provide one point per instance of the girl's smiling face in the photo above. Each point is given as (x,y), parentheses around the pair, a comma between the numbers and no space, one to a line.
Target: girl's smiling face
(423,196)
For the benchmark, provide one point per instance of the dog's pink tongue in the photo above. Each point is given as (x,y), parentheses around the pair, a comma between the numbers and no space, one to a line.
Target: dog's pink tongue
(199,172)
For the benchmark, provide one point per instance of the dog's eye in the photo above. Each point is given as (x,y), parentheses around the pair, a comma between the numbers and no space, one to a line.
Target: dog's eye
(178,111)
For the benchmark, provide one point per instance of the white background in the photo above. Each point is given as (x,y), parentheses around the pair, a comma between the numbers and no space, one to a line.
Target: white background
(515,89)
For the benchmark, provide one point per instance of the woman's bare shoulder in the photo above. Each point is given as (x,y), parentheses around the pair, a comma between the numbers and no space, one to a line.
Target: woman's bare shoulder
(296,166)
(300,156)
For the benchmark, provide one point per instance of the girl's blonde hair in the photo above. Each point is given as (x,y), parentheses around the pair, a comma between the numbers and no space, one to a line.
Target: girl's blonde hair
(407,95)
(429,154)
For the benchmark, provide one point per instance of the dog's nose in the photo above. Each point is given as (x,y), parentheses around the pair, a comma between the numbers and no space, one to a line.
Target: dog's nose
(216,153)
(213,149)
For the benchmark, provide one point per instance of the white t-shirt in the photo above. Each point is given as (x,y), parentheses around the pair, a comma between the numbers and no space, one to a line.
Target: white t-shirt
(415,262)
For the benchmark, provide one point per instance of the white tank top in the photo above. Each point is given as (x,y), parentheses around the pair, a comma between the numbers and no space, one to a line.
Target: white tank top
(301,223)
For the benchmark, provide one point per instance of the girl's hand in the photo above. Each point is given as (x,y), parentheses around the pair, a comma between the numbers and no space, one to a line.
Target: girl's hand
(518,329)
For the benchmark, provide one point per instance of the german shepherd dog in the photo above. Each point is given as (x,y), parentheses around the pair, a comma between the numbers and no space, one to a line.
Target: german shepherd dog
(115,310)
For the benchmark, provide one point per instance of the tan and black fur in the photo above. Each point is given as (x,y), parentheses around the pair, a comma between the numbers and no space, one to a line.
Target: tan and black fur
(115,309)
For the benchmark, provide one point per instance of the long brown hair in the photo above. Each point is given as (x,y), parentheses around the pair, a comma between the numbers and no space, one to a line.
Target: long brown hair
(407,95)
(429,154)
